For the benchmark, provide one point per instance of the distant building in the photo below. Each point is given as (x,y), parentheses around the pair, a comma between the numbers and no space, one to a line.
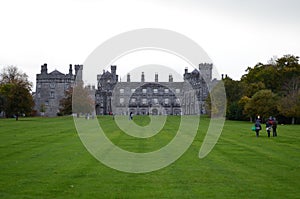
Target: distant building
(51,87)
(156,98)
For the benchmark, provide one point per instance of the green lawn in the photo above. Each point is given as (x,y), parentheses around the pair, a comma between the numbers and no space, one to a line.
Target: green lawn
(44,158)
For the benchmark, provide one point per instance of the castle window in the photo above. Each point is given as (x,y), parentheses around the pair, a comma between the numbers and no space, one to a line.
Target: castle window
(133,100)
(122,90)
(177,101)
(132,90)
(39,85)
(144,90)
(155,101)
(52,94)
(121,100)
(166,90)
(166,101)
(46,103)
(177,90)
(144,101)
(52,85)
(155,90)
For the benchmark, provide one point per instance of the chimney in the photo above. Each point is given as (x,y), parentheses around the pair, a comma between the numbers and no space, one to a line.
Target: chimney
(185,70)
(143,77)
(70,70)
(44,69)
(128,77)
(170,78)
(156,77)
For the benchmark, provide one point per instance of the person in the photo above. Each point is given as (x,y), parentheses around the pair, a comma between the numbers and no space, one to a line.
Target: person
(269,126)
(274,127)
(257,127)
(258,119)
(130,116)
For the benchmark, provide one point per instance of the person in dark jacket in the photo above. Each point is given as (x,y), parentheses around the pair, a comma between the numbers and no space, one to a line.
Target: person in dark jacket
(257,127)
(269,126)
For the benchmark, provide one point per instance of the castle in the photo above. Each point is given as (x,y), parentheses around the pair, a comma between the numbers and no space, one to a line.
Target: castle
(121,98)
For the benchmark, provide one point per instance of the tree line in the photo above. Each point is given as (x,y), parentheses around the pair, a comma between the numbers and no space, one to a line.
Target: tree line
(271,89)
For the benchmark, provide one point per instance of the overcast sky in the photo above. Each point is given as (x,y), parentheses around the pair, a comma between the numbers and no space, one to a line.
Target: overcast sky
(235,34)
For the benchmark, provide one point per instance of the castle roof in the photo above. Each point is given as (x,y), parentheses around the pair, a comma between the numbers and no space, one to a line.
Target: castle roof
(195,72)
(106,75)
(56,72)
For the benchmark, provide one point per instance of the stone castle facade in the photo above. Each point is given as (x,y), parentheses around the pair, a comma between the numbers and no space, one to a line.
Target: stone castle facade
(155,98)
(111,96)
(51,87)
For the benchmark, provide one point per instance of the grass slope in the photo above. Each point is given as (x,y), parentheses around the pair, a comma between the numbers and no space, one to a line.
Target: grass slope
(44,158)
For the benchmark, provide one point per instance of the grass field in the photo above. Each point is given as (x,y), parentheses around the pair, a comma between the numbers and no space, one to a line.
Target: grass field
(44,158)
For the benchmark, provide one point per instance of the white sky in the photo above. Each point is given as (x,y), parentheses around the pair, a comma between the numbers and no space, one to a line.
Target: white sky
(235,33)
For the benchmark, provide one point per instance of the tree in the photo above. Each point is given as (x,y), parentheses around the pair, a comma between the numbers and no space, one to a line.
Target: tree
(261,77)
(289,106)
(11,74)
(242,103)
(15,91)
(234,91)
(263,103)
(279,75)
(77,100)
(82,102)
(66,103)
(1,101)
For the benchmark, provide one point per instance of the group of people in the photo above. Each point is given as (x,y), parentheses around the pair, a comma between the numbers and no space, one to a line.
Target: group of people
(271,125)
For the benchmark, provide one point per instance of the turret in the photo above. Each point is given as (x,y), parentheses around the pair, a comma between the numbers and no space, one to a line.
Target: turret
(78,72)
(206,71)
(113,69)
(44,69)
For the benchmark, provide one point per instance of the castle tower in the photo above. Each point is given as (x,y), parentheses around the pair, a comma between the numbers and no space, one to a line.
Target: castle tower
(206,71)
(113,69)
(78,72)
